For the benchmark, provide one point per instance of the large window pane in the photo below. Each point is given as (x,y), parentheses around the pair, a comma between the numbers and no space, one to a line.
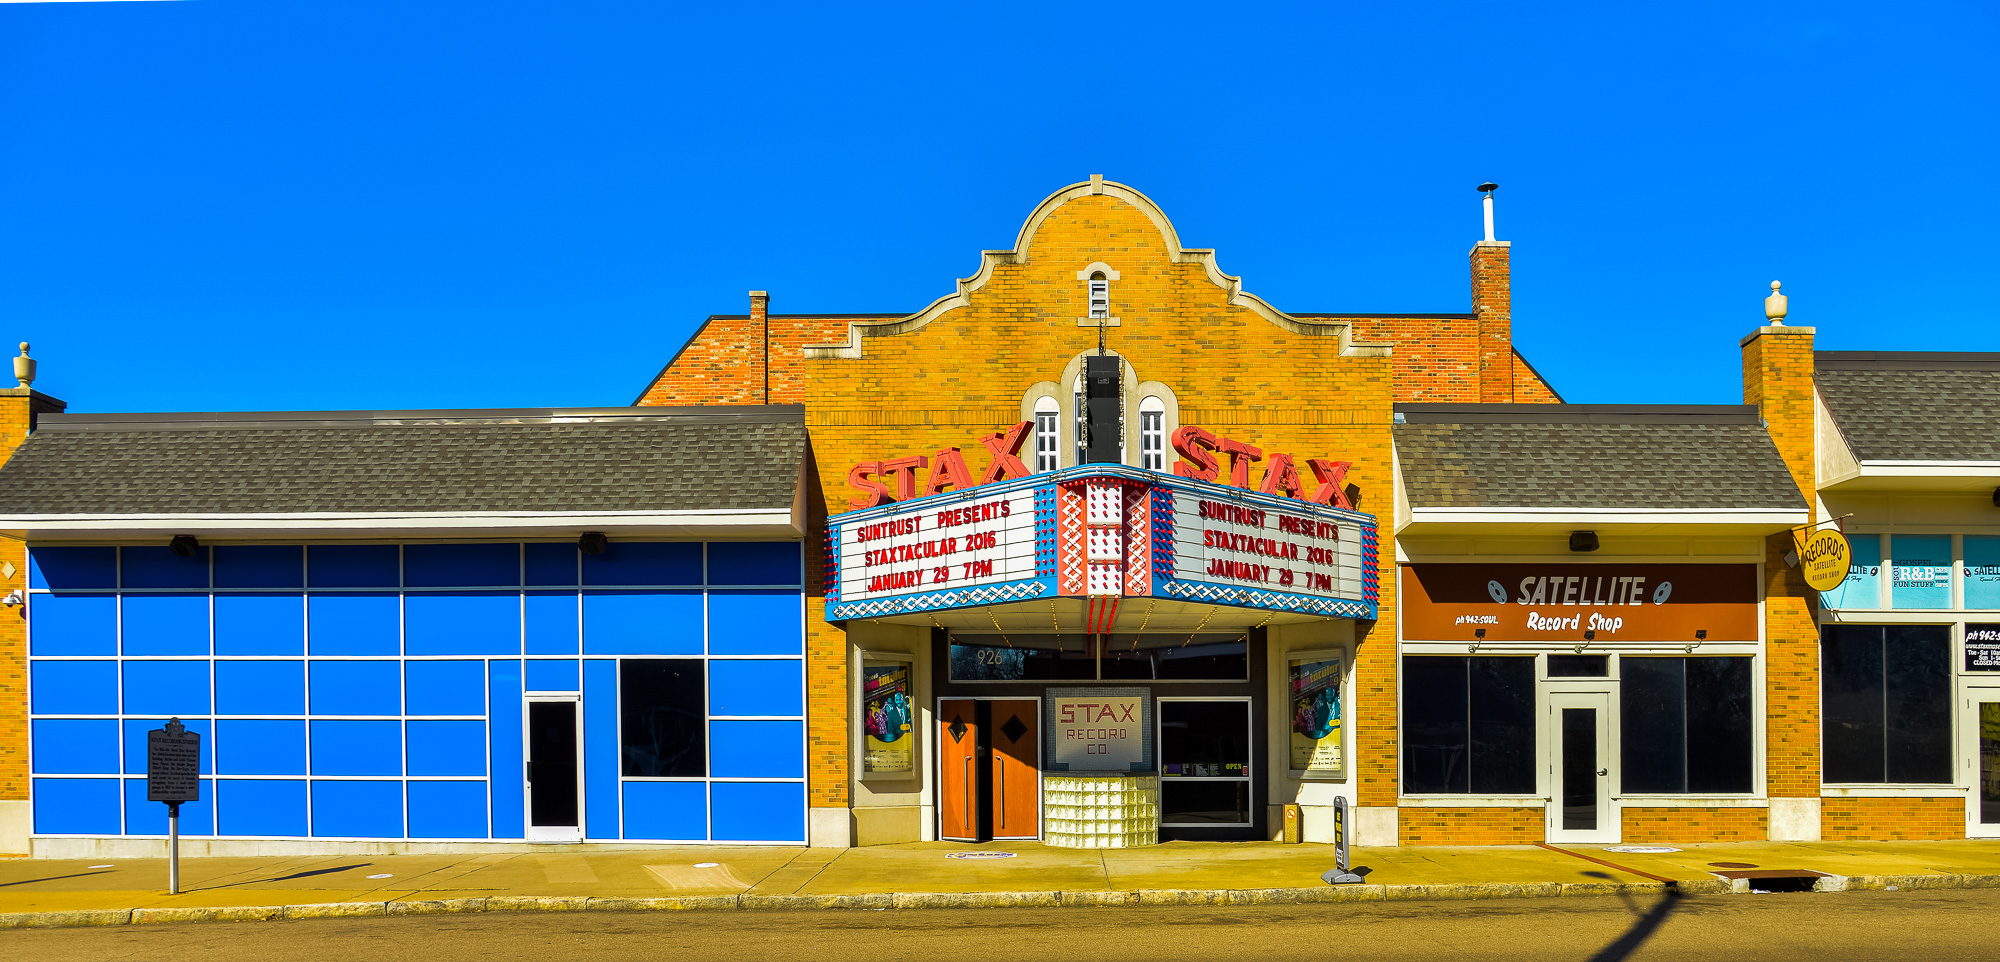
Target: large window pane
(1503,725)
(1653,725)
(1204,739)
(1434,726)
(1719,719)
(1021,658)
(1851,695)
(1917,670)
(664,718)
(1204,803)
(1222,657)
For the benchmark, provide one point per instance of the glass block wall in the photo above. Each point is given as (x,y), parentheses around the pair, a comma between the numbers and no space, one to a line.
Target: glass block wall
(377,691)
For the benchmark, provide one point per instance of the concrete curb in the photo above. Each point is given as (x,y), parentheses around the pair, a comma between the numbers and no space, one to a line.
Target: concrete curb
(962,900)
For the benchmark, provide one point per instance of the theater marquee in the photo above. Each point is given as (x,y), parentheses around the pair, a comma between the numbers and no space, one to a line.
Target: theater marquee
(1102,532)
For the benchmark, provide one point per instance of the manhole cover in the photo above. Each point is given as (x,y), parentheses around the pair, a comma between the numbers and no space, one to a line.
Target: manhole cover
(1642,849)
(1732,865)
(979,855)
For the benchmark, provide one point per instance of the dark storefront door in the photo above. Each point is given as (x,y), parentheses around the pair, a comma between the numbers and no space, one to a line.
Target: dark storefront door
(989,769)
(552,771)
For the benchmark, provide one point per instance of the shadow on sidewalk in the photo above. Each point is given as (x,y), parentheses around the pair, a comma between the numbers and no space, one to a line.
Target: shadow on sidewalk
(285,878)
(52,878)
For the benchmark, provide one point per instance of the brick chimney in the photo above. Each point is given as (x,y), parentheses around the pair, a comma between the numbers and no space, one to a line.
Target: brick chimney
(1493,305)
(760,321)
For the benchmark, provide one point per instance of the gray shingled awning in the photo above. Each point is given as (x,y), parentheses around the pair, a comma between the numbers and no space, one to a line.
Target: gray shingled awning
(711,471)
(1913,407)
(1573,463)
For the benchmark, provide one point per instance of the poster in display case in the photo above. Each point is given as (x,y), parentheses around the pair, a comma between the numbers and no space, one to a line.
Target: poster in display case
(889,725)
(1314,682)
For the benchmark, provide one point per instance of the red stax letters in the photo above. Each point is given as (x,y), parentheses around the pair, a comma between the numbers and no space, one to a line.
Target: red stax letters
(1240,456)
(1005,446)
(1198,448)
(1281,477)
(905,472)
(948,471)
(858,477)
(1332,477)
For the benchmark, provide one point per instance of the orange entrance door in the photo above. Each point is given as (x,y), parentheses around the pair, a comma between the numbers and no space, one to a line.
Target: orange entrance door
(958,770)
(1016,770)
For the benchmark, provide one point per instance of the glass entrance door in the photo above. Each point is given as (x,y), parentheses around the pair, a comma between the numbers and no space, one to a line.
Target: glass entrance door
(1982,804)
(554,785)
(1580,768)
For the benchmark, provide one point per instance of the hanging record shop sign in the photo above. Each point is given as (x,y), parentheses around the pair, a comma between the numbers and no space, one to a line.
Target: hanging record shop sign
(1824,559)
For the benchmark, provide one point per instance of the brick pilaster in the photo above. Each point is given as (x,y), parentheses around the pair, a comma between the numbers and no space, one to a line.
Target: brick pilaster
(1778,379)
(19,407)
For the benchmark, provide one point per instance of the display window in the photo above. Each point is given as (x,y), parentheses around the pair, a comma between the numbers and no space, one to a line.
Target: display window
(1468,725)
(1885,701)
(1205,772)
(1317,729)
(888,721)
(1686,726)
(1116,657)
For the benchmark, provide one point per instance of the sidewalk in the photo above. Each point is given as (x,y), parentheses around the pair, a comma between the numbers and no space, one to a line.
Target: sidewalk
(79,892)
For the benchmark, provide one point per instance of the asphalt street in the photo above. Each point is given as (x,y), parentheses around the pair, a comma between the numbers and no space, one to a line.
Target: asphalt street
(1852,927)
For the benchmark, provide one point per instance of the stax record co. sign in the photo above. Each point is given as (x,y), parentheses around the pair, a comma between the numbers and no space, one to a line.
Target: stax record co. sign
(1102,531)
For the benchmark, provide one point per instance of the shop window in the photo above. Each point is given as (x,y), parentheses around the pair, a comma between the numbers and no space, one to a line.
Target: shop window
(1153,434)
(1920,571)
(1863,586)
(888,719)
(1982,571)
(1579,666)
(1046,456)
(1468,725)
(1885,701)
(1204,762)
(1686,725)
(1119,657)
(663,718)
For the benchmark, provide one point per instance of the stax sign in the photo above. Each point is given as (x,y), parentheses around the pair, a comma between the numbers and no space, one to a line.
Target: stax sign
(1201,453)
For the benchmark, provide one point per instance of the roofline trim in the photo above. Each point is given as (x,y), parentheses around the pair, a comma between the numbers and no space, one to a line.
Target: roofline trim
(1906,361)
(1531,413)
(748,521)
(244,420)
(988,260)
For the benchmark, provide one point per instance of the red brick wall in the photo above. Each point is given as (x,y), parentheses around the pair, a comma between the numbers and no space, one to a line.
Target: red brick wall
(1493,302)
(723,363)
(1717,824)
(1469,826)
(1891,819)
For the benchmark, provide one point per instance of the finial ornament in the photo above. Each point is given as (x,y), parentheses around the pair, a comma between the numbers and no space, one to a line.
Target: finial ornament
(24,367)
(1774,307)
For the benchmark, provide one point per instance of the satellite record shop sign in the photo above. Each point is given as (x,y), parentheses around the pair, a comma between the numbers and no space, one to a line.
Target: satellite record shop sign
(1101,531)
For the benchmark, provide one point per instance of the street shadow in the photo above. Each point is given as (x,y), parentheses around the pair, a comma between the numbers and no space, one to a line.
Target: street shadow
(1642,928)
(287,878)
(52,878)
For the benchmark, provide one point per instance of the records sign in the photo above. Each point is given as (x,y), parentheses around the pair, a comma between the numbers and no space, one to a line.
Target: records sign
(1982,647)
(1825,558)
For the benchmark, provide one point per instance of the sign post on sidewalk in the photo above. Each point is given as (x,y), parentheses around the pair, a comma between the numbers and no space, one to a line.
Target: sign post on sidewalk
(173,776)
(1340,874)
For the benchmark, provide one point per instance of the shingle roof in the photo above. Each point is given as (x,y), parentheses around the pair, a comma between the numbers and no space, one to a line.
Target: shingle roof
(1913,407)
(1590,456)
(612,459)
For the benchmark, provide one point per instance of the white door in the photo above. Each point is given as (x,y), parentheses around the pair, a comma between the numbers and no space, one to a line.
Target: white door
(1580,772)
(554,726)
(1980,752)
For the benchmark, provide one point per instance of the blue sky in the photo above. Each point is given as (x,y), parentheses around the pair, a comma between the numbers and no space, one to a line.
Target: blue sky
(219,205)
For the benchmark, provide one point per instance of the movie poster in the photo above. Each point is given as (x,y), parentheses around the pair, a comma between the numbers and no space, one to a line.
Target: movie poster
(885,705)
(1315,715)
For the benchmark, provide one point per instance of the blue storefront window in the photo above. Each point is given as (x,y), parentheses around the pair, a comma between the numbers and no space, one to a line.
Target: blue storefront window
(1920,571)
(1982,571)
(1863,586)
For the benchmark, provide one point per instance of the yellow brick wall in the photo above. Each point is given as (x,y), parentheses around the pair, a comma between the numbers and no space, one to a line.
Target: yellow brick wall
(1234,372)
(1715,824)
(1893,819)
(17,409)
(1469,826)
(1777,377)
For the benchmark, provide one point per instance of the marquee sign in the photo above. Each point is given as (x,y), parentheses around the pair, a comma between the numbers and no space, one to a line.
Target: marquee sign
(1103,532)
